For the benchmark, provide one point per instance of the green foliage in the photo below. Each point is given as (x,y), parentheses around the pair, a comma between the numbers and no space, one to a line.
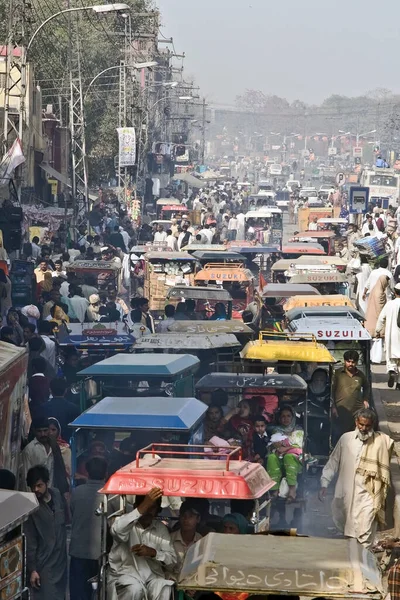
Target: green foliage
(100,39)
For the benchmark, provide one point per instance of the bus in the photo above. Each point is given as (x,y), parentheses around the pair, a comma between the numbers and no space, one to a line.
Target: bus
(383,184)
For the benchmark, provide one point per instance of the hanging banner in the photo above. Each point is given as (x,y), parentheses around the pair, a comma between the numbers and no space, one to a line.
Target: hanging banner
(127,146)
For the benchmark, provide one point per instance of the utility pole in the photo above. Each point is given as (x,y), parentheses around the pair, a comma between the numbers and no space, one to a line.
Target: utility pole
(122,171)
(79,170)
(15,80)
(203,133)
(126,79)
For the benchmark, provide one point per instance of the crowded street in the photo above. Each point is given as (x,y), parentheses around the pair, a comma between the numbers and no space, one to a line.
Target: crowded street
(199,310)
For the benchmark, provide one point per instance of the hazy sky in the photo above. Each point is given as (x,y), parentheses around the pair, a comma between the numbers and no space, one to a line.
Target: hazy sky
(305,49)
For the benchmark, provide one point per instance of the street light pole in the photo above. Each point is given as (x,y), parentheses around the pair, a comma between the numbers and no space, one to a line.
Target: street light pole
(24,53)
(141,145)
(76,98)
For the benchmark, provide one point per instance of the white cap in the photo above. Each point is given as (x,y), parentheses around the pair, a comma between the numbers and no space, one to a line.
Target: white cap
(397,287)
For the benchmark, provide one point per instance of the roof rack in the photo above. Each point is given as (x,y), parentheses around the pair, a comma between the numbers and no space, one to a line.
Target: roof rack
(235,452)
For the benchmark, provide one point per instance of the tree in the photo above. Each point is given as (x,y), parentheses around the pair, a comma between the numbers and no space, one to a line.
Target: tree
(101,46)
(255,100)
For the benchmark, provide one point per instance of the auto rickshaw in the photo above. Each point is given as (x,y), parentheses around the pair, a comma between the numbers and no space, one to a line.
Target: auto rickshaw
(142,419)
(308,301)
(287,290)
(170,203)
(267,224)
(105,272)
(235,278)
(283,270)
(182,472)
(215,351)
(15,509)
(285,354)
(170,211)
(227,256)
(325,238)
(188,471)
(324,312)
(279,268)
(253,566)
(340,332)
(270,300)
(138,375)
(206,327)
(100,339)
(272,388)
(206,248)
(326,279)
(258,258)
(267,392)
(243,332)
(166,223)
(140,250)
(205,297)
(330,222)
(296,249)
(299,354)
(163,270)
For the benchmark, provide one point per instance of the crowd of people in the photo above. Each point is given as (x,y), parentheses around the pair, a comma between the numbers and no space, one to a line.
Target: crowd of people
(145,556)
(377,287)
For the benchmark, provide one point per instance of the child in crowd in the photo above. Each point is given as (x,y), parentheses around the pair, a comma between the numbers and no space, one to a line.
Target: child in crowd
(260,439)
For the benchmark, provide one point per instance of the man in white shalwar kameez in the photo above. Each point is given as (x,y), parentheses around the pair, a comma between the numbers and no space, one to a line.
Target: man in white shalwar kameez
(142,548)
(355,511)
(387,327)
(241,230)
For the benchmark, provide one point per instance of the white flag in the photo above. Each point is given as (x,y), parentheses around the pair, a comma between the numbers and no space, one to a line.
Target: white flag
(11,160)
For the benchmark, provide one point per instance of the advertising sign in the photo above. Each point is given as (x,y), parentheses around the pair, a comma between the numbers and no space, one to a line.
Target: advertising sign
(12,390)
(359,197)
(127,146)
(11,561)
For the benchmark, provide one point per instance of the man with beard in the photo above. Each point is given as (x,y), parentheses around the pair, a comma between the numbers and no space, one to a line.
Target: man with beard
(46,548)
(361,462)
(349,393)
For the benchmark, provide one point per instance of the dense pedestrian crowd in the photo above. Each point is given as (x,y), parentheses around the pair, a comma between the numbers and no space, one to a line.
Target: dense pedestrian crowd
(144,556)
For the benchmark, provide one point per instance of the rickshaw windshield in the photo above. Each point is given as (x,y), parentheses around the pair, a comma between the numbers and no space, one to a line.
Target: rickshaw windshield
(217,563)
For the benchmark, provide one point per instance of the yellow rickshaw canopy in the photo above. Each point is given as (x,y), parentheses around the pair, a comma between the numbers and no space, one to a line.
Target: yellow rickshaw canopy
(286,350)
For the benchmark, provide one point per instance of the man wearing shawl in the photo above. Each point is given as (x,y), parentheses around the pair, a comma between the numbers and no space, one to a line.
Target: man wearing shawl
(361,462)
